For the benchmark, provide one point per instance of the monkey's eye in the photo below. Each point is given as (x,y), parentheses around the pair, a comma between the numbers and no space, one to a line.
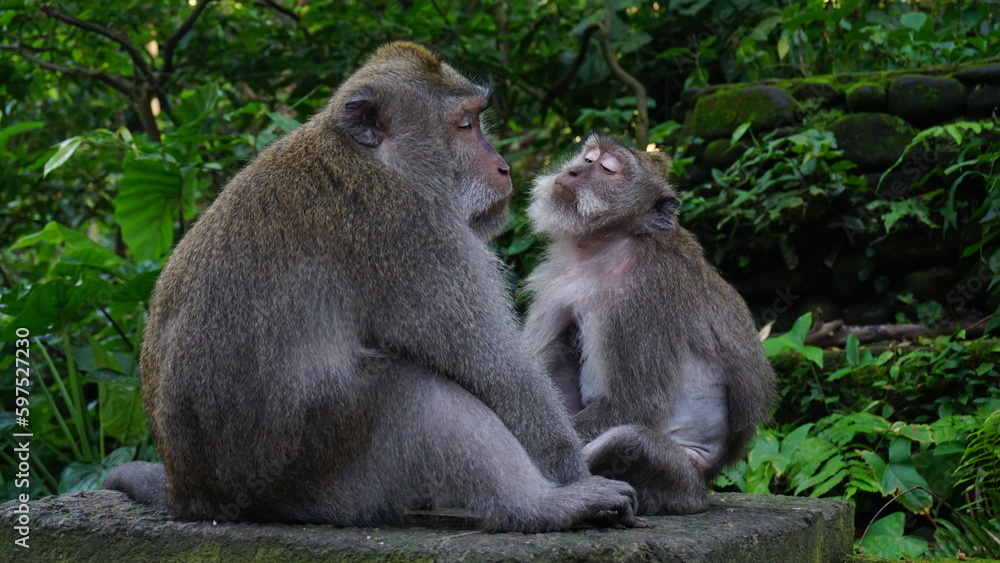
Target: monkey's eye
(465,123)
(610,165)
(591,156)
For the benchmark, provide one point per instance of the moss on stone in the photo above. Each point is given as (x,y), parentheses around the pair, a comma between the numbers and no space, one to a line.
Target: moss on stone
(719,114)
(872,139)
(104,526)
(926,99)
(719,154)
(827,94)
(866,97)
(980,74)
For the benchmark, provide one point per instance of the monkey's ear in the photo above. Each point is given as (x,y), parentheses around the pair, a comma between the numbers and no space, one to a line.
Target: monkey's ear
(663,216)
(362,118)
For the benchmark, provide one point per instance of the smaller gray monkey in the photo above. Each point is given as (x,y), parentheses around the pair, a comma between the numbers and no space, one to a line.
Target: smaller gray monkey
(656,356)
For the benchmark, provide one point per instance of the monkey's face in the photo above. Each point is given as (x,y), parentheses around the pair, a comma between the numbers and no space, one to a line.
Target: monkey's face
(422,119)
(481,174)
(604,187)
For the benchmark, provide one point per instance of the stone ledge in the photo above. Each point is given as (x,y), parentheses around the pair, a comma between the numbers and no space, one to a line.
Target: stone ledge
(105,526)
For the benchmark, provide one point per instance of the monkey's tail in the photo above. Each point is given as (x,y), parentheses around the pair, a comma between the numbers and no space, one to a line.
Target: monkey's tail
(142,481)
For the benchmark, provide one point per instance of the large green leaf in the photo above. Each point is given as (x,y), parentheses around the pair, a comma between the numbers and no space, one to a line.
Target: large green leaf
(286,123)
(899,475)
(120,408)
(55,304)
(79,476)
(913,20)
(138,288)
(885,537)
(7,132)
(79,250)
(149,196)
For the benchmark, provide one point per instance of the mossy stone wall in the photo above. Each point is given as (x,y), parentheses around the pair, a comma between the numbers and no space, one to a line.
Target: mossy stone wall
(874,117)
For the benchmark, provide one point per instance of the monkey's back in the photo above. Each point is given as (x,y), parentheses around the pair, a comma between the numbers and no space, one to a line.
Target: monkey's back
(234,364)
(717,325)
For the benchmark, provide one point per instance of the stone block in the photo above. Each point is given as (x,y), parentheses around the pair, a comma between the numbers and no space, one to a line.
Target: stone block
(823,91)
(102,526)
(872,139)
(985,100)
(718,115)
(982,74)
(932,283)
(866,97)
(925,100)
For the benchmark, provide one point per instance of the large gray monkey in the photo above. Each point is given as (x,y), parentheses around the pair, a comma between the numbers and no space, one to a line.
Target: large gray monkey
(332,342)
(656,356)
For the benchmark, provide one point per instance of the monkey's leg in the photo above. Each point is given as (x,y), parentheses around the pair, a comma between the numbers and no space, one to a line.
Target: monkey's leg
(434,441)
(661,470)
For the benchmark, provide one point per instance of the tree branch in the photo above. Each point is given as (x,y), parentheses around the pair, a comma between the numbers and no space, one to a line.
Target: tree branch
(529,37)
(574,67)
(642,120)
(532,91)
(280,9)
(835,333)
(171,44)
(118,37)
(121,84)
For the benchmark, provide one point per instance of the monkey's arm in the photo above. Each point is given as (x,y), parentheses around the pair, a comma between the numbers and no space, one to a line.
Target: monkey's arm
(636,363)
(449,311)
(551,337)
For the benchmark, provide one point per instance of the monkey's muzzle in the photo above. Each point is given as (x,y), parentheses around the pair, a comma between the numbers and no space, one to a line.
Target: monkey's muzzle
(562,192)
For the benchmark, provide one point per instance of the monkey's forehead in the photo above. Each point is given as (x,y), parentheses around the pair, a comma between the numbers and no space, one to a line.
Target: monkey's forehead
(452,83)
(405,62)
(658,161)
(401,75)
(606,142)
(418,54)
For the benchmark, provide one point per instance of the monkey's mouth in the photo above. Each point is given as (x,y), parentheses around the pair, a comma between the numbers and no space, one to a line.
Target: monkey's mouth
(498,206)
(562,193)
(497,211)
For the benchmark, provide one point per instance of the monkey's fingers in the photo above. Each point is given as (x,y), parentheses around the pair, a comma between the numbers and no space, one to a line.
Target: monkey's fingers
(618,521)
(635,522)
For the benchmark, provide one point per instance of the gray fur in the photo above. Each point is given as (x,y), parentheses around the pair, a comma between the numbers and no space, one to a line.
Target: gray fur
(332,342)
(656,355)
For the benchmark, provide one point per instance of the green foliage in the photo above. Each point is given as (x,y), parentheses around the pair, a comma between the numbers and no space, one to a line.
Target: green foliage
(885,538)
(794,340)
(921,434)
(796,37)
(977,526)
(778,180)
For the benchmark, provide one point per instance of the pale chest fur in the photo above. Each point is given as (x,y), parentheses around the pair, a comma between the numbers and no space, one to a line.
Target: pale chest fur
(584,281)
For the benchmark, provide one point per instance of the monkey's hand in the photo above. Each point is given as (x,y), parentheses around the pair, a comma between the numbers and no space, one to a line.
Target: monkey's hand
(609,503)
(609,519)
